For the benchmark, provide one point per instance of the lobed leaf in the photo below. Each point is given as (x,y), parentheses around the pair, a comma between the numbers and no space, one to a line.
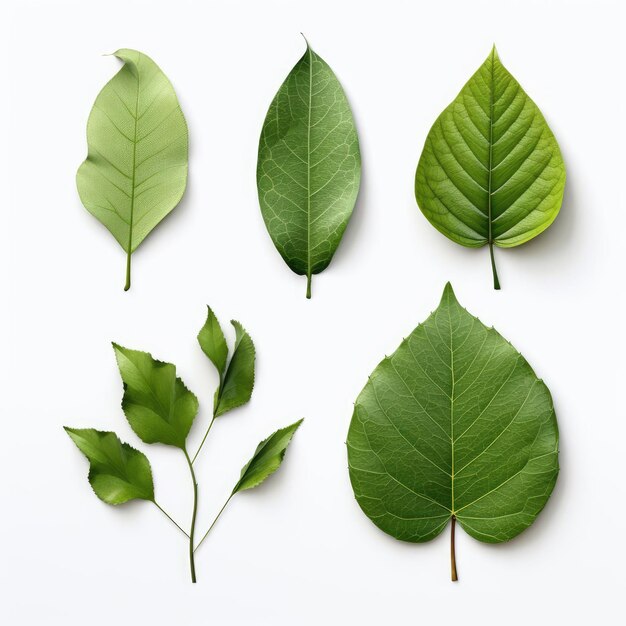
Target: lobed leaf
(454,424)
(309,166)
(266,459)
(157,405)
(135,172)
(491,172)
(117,472)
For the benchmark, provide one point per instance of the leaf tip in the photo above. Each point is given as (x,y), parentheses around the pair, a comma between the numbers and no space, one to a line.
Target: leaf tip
(306,41)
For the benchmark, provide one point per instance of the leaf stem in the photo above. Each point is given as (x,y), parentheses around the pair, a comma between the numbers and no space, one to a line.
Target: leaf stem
(170,518)
(453,576)
(496,282)
(308,286)
(127,285)
(193,517)
(213,523)
(206,434)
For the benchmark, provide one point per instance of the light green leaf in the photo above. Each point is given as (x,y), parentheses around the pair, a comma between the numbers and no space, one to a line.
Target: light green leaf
(309,166)
(136,168)
(157,405)
(491,172)
(266,459)
(238,383)
(453,425)
(117,472)
(212,341)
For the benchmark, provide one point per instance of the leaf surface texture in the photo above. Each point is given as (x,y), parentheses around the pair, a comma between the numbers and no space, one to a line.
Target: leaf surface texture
(491,172)
(309,166)
(135,172)
(453,423)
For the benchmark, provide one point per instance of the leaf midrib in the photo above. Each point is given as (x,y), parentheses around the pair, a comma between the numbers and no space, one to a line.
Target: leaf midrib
(308,165)
(134,169)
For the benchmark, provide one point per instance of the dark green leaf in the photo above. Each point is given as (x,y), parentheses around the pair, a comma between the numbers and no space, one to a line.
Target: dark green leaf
(309,166)
(491,172)
(117,472)
(266,459)
(453,423)
(212,341)
(236,388)
(136,168)
(158,406)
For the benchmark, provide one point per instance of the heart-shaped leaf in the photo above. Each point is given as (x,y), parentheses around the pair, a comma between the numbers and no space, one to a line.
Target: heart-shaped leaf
(266,459)
(309,166)
(491,172)
(117,472)
(157,405)
(454,425)
(136,167)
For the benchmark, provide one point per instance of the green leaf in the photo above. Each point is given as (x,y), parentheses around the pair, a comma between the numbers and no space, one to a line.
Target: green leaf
(266,459)
(117,472)
(238,383)
(212,341)
(454,424)
(491,172)
(157,405)
(309,166)
(136,168)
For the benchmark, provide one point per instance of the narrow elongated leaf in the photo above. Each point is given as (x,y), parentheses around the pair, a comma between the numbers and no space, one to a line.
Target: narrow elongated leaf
(453,425)
(309,166)
(266,459)
(491,172)
(212,341)
(238,383)
(117,472)
(157,405)
(136,168)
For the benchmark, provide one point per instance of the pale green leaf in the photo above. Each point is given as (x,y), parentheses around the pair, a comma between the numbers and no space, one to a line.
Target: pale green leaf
(454,424)
(212,341)
(309,166)
(491,172)
(136,167)
(266,459)
(238,382)
(117,472)
(157,405)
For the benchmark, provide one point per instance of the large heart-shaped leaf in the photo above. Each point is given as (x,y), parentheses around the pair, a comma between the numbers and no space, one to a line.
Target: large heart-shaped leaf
(453,425)
(491,172)
(117,472)
(309,166)
(157,405)
(136,167)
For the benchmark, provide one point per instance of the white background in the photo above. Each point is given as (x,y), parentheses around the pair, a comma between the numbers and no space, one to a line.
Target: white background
(297,550)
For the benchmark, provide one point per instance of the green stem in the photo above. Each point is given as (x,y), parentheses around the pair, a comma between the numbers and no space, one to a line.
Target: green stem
(158,506)
(213,523)
(193,517)
(127,285)
(308,286)
(208,430)
(496,282)
(453,552)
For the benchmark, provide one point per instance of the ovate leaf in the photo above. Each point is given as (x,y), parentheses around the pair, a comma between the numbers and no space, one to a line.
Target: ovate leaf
(266,459)
(117,472)
(491,172)
(238,383)
(309,166)
(454,424)
(212,341)
(157,405)
(136,167)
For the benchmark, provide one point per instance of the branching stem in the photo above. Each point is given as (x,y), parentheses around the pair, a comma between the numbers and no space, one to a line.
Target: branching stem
(213,523)
(169,517)
(193,517)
